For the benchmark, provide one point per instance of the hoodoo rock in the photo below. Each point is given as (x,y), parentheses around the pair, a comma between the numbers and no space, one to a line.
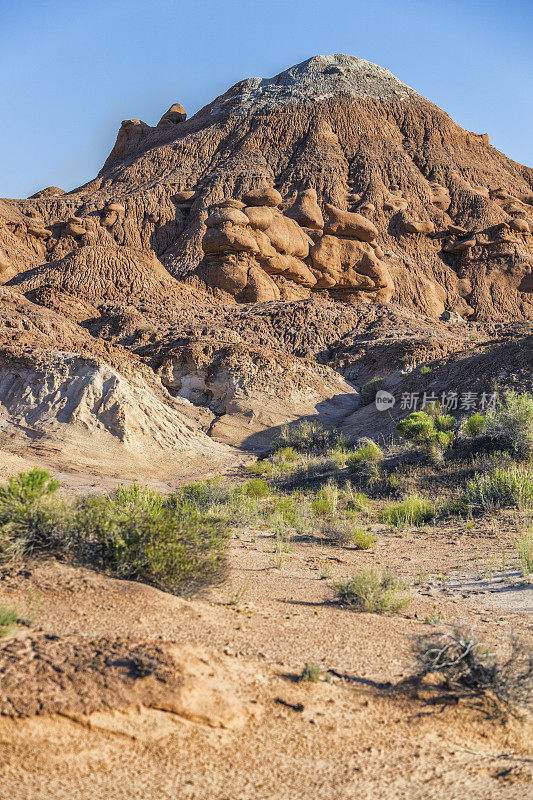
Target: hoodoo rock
(271,191)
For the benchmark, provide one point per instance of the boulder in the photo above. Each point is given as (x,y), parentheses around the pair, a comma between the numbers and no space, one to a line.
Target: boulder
(75,226)
(259,217)
(184,196)
(414,226)
(306,211)
(460,246)
(457,230)
(520,225)
(229,239)
(440,196)
(348,263)
(266,196)
(220,216)
(349,223)
(287,237)
(231,202)
(290,267)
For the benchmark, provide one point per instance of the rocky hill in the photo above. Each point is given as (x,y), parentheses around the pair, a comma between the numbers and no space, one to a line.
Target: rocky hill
(245,242)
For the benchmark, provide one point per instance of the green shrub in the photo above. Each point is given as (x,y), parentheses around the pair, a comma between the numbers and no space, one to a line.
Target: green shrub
(524,549)
(368,452)
(512,422)
(311,673)
(307,436)
(286,455)
(370,590)
(370,389)
(325,501)
(502,488)
(9,618)
(475,424)
(363,539)
(414,511)
(31,519)
(432,431)
(256,487)
(136,534)
(425,370)
(263,467)
(202,495)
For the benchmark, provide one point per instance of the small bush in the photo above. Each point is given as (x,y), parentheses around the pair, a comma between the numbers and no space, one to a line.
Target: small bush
(31,519)
(368,452)
(512,422)
(325,501)
(432,431)
(502,488)
(370,389)
(201,495)
(475,424)
(425,370)
(369,590)
(263,467)
(363,539)
(414,511)
(285,454)
(307,436)
(524,549)
(468,667)
(257,487)
(311,673)
(137,534)
(9,617)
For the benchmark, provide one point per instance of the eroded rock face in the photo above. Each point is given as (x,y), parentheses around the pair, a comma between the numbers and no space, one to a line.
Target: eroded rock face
(265,242)
(334,146)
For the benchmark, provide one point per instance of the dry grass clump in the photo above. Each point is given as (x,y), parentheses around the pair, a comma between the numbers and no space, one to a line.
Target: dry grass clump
(370,590)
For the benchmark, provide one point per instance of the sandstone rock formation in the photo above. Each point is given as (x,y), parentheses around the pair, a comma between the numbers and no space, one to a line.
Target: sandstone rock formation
(333,146)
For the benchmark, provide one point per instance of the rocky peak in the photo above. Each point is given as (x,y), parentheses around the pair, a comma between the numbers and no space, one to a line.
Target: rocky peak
(314,80)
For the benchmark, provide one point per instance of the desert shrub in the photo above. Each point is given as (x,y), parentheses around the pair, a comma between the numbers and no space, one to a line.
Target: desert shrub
(31,518)
(497,459)
(260,467)
(413,511)
(468,666)
(370,590)
(307,436)
(325,501)
(286,455)
(432,431)
(311,673)
(355,502)
(475,424)
(137,534)
(9,617)
(524,550)
(201,495)
(502,488)
(256,487)
(370,389)
(512,423)
(367,452)
(425,370)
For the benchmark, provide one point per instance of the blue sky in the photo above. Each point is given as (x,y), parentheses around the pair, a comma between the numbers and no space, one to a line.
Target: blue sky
(72,71)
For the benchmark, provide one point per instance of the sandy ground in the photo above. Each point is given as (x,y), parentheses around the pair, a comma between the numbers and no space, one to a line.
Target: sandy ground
(263,734)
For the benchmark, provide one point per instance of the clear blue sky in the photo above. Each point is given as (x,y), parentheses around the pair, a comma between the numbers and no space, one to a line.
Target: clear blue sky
(71,71)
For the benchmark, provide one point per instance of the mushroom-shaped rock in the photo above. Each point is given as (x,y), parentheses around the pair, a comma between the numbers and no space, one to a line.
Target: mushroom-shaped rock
(185,196)
(220,216)
(460,246)
(287,237)
(229,239)
(350,264)
(520,225)
(259,217)
(231,202)
(349,223)
(111,213)
(415,226)
(176,113)
(75,226)
(290,267)
(306,211)
(262,197)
